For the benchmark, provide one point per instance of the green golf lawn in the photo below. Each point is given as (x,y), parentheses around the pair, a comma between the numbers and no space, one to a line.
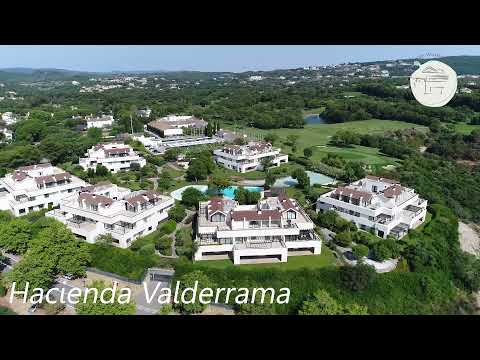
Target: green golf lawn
(466,128)
(326,258)
(369,156)
(320,134)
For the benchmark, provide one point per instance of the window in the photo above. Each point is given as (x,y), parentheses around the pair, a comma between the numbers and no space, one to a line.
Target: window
(46,195)
(40,206)
(21,211)
(31,198)
(291,215)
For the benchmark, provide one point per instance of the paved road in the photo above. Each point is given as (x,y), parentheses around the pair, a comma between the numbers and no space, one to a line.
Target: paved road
(145,308)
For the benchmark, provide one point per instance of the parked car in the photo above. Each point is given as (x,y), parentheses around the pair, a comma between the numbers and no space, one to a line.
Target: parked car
(69,276)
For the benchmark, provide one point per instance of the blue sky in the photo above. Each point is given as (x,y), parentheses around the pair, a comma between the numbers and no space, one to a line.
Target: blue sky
(209,57)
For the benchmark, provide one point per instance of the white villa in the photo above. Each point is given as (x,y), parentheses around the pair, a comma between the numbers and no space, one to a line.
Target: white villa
(378,204)
(269,231)
(9,118)
(243,158)
(108,209)
(99,122)
(114,156)
(36,187)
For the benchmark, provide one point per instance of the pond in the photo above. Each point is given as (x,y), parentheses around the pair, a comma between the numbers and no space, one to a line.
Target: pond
(314,119)
(228,192)
(315,178)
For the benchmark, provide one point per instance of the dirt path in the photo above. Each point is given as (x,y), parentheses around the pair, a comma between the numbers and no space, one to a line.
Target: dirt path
(469,238)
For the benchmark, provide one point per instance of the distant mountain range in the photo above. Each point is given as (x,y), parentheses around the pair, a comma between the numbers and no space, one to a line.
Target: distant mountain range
(461,64)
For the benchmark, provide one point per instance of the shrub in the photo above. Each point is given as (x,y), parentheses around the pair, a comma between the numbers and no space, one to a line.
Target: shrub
(360,251)
(177,213)
(188,281)
(343,239)
(168,227)
(381,251)
(164,245)
(357,278)
(148,249)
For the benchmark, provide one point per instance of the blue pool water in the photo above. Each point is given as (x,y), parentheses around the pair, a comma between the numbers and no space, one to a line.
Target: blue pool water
(315,178)
(314,119)
(230,191)
(227,192)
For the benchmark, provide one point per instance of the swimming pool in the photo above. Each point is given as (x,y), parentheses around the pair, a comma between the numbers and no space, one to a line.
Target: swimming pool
(228,192)
(315,178)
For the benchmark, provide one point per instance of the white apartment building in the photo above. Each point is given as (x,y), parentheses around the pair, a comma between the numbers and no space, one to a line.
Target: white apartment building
(114,156)
(99,122)
(378,204)
(108,209)
(36,187)
(243,158)
(269,231)
(9,118)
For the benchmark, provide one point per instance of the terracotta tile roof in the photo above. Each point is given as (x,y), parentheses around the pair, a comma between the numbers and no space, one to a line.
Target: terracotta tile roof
(256,215)
(34,167)
(286,203)
(143,198)
(355,194)
(92,188)
(19,175)
(215,205)
(52,178)
(94,199)
(393,191)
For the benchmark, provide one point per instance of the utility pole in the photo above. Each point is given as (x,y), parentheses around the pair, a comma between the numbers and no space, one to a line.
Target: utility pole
(131,123)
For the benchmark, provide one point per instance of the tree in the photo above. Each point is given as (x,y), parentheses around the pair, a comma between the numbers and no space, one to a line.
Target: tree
(15,236)
(360,251)
(92,307)
(36,272)
(56,245)
(165,180)
(134,166)
(292,141)
(308,152)
(381,251)
(321,303)
(357,278)
(188,281)
(353,171)
(220,182)
(191,197)
(270,138)
(171,154)
(177,213)
(101,171)
(197,170)
(266,164)
(302,178)
(270,179)
(343,239)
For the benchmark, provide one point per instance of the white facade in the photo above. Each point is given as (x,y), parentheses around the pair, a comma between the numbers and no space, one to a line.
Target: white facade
(9,118)
(7,133)
(269,231)
(173,125)
(100,122)
(378,204)
(114,156)
(108,209)
(243,158)
(36,187)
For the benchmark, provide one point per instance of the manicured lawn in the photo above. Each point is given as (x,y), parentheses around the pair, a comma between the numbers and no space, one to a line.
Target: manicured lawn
(320,134)
(294,262)
(466,128)
(367,155)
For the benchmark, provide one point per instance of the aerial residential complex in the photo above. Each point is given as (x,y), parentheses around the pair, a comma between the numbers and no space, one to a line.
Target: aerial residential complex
(173,125)
(377,204)
(99,122)
(269,231)
(114,156)
(36,187)
(108,209)
(243,158)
